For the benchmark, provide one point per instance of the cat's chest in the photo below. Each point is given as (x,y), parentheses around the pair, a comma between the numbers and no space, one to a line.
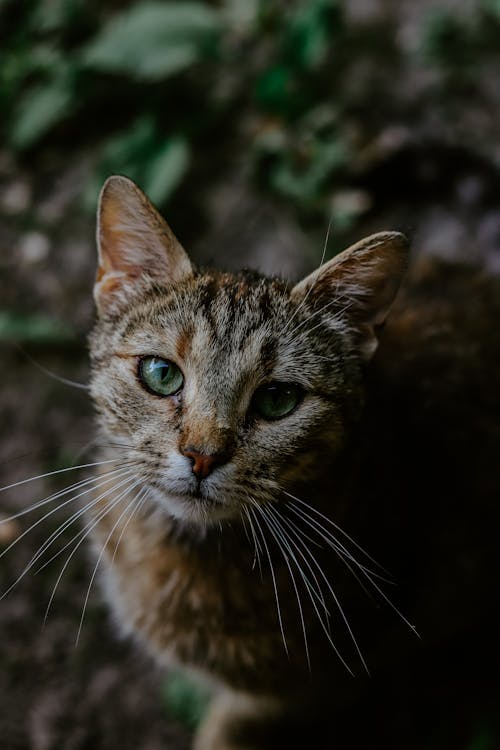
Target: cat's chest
(211,610)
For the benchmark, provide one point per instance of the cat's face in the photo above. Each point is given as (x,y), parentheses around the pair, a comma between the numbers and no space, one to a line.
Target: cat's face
(225,389)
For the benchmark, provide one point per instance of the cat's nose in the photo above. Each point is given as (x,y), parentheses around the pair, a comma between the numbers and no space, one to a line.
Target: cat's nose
(202,464)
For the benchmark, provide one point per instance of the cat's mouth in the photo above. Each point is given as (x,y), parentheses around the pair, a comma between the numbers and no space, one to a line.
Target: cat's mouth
(194,504)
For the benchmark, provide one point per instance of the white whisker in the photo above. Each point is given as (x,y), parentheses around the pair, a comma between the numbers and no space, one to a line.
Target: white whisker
(55,534)
(58,471)
(282,549)
(338,316)
(57,495)
(89,528)
(145,494)
(325,246)
(337,604)
(343,552)
(337,528)
(259,529)
(61,493)
(256,543)
(75,517)
(136,501)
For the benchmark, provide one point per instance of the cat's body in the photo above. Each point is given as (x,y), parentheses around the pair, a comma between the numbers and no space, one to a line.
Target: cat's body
(227,567)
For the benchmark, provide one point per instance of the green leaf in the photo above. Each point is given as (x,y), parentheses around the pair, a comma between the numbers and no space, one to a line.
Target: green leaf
(311,32)
(51,15)
(303,182)
(156,163)
(166,169)
(275,87)
(32,329)
(40,109)
(154,40)
(185,699)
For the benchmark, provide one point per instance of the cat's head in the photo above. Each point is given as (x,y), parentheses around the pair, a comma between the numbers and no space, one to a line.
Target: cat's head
(225,389)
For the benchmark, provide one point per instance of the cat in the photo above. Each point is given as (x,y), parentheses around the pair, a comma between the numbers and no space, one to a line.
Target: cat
(268,433)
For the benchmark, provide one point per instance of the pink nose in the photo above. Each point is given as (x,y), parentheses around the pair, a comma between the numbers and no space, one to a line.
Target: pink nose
(202,465)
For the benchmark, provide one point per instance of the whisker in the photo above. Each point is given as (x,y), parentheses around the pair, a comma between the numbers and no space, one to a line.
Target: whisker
(337,545)
(107,510)
(337,528)
(337,604)
(57,495)
(135,501)
(282,549)
(259,529)
(278,518)
(58,471)
(146,493)
(338,316)
(61,493)
(325,246)
(256,543)
(46,544)
(362,568)
(49,373)
(71,520)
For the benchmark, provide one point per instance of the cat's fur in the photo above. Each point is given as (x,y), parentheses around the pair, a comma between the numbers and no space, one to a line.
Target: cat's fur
(387,448)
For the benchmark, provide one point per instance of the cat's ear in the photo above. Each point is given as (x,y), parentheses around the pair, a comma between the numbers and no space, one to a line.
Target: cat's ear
(134,243)
(359,285)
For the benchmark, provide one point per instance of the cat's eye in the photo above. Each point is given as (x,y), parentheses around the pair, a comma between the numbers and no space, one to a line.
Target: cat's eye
(276,400)
(160,376)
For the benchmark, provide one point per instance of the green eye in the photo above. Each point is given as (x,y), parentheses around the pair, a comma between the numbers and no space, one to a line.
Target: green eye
(160,376)
(276,400)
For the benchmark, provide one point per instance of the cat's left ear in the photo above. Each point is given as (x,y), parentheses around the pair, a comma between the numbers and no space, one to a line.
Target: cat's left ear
(359,285)
(135,243)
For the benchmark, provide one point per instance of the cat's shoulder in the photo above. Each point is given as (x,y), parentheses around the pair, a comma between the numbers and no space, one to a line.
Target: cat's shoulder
(443,323)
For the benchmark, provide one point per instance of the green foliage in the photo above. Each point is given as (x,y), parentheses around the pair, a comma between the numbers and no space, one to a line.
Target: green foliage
(157,163)
(154,40)
(185,699)
(310,31)
(168,91)
(24,329)
(304,41)
(43,106)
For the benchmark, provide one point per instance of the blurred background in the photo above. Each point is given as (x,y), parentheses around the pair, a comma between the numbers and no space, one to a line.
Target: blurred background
(251,124)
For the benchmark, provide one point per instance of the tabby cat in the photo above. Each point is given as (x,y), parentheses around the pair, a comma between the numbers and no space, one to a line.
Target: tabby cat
(268,434)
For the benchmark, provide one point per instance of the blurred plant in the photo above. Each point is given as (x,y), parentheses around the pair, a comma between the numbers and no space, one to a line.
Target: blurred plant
(162,91)
(457,41)
(185,699)
(157,163)
(154,40)
(33,329)
(68,63)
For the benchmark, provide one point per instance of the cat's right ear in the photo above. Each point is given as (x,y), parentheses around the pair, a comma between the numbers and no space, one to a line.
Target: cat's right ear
(135,245)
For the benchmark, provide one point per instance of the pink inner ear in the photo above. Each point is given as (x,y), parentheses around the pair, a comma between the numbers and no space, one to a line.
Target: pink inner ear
(134,241)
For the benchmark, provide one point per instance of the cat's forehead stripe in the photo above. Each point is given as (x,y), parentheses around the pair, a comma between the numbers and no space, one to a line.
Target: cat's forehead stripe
(232,307)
